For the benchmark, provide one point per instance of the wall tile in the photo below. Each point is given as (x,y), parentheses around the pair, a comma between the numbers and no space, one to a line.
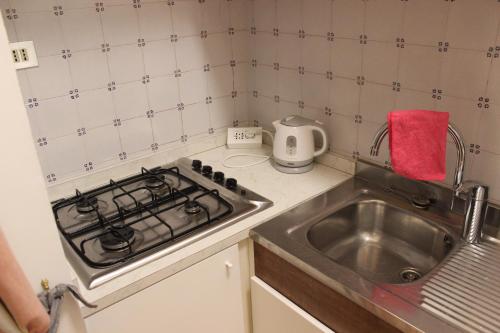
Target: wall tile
(264,14)
(159,58)
(195,119)
(163,93)
(49,40)
(194,53)
(376,101)
(266,52)
(64,156)
(289,85)
(221,112)
(472,24)
(95,108)
(316,54)
(120,25)
(89,70)
(193,87)
(154,21)
(346,55)
(384,20)
(98,152)
(239,14)
(289,51)
(464,73)
(218,49)
(317,16)
(315,90)
(344,96)
(167,126)
(342,134)
(215,16)
(347,21)
(51,78)
(425,21)
(419,67)
(131,100)
(125,56)
(187,17)
(82,29)
(57,116)
(380,62)
(289,17)
(220,81)
(136,136)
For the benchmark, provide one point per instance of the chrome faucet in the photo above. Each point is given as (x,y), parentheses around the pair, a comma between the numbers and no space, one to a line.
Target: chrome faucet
(477,194)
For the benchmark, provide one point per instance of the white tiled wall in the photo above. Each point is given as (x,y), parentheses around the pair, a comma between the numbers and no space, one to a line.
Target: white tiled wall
(121,79)
(349,62)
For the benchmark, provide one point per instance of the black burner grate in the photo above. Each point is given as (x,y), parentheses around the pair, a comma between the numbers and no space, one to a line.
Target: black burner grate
(136,206)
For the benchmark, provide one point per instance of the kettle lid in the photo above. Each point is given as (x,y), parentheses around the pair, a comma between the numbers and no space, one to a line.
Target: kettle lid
(297,121)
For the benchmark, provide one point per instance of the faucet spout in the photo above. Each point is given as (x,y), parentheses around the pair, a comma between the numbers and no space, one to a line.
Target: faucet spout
(457,140)
(476,193)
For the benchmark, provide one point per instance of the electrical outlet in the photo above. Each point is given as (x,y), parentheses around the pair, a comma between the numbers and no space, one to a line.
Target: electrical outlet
(23,54)
(244,137)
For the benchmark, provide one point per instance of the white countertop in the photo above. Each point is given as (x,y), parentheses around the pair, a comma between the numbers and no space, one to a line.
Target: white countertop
(285,190)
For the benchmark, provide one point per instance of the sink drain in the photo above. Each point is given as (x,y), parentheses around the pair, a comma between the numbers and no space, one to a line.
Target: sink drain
(410,275)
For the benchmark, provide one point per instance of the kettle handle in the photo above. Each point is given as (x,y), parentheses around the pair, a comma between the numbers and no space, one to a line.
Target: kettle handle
(325,141)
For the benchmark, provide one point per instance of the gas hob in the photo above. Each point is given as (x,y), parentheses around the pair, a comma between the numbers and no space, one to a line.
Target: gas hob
(127,223)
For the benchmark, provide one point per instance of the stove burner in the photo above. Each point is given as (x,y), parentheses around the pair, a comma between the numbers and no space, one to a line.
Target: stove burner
(192,207)
(118,238)
(86,204)
(155,182)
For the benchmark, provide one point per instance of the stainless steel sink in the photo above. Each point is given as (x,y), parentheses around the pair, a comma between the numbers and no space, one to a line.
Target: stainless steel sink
(372,241)
(379,241)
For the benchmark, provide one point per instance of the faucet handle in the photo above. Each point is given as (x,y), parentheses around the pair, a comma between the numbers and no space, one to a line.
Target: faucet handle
(474,188)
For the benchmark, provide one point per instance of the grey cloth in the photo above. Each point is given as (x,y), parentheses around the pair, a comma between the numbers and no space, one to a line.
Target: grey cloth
(52,300)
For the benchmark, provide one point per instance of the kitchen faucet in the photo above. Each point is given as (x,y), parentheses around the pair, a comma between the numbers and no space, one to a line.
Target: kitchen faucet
(476,193)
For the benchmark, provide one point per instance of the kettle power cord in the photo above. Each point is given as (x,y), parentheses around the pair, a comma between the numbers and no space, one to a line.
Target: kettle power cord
(263,159)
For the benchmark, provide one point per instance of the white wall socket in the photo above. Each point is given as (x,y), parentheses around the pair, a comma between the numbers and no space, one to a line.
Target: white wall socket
(23,54)
(244,137)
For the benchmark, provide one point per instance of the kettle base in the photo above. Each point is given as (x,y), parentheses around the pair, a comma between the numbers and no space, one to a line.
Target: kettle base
(288,169)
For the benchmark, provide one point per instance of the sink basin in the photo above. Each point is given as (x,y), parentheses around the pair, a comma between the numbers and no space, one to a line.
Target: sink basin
(380,242)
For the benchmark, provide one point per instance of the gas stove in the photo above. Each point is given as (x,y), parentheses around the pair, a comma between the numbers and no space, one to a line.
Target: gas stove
(127,223)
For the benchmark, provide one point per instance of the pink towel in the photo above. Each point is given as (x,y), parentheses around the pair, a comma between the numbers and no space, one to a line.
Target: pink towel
(417,141)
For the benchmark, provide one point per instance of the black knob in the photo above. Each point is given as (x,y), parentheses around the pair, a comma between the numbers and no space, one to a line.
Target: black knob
(219,177)
(206,171)
(196,165)
(231,183)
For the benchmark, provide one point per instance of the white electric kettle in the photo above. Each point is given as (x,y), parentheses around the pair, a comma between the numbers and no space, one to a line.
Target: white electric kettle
(293,146)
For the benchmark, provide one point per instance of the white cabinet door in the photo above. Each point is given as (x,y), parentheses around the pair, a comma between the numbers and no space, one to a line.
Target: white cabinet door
(205,297)
(274,313)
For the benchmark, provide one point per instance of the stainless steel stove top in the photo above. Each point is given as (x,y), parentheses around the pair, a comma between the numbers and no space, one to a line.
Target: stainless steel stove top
(128,223)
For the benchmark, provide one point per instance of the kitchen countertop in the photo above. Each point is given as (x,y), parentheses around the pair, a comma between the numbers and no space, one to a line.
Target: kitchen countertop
(285,190)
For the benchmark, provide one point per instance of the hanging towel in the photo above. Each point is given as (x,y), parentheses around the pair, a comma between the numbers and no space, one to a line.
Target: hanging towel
(417,143)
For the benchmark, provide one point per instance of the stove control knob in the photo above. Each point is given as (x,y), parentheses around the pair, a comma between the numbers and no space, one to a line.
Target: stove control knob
(219,177)
(206,171)
(196,165)
(231,183)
